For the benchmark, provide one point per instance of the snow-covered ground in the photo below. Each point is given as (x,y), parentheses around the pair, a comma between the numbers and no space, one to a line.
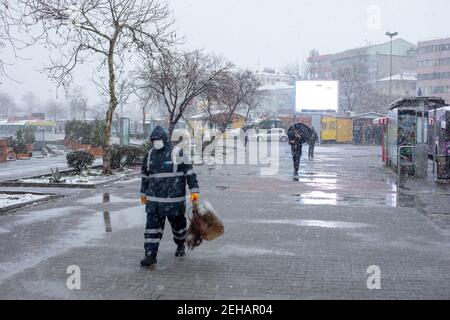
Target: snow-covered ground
(90,177)
(7,200)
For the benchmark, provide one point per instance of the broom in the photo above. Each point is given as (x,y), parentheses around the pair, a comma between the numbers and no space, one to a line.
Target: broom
(204,225)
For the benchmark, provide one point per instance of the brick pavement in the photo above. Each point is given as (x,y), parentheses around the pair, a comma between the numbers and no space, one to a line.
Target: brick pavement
(284,239)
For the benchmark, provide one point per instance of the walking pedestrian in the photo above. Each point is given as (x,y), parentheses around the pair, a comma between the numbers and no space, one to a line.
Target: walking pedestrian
(312,143)
(296,150)
(165,173)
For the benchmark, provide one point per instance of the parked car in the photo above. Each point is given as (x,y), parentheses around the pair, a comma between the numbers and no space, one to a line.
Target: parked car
(274,134)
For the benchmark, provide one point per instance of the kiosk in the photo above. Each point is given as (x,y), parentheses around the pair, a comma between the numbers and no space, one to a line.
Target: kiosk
(408,134)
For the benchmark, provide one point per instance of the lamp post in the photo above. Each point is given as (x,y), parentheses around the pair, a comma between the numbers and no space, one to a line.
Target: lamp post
(391,35)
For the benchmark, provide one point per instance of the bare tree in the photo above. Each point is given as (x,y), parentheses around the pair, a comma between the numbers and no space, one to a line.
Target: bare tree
(55,109)
(8,107)
(4,30)
(253,100)
(309,64)
(144,101)
(112,30)
(178,78)
(8,19)
(353,85)
(374,101)
(78,103)
(235,90)
(294,71)
(124,91)
(30,102)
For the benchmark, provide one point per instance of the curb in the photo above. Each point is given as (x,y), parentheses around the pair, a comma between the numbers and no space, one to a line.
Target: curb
(51,197)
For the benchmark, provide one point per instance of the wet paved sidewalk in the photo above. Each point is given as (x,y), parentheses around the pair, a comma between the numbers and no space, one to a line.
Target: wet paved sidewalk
(307,239)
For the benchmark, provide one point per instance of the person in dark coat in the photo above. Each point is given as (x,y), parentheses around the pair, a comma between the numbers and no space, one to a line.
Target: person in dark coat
(368,135)
(296,149)
(165,173)
(312,143)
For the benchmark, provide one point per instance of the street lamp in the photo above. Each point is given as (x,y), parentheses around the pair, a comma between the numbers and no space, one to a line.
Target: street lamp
(391,35)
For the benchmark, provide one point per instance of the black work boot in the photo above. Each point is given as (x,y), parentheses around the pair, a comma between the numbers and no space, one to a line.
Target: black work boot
(149,260)
(180,251)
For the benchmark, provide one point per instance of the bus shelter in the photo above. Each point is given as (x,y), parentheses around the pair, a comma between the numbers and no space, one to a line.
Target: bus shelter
(407,136)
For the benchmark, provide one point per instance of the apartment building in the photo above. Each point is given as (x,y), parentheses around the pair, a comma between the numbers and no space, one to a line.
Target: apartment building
(433,68)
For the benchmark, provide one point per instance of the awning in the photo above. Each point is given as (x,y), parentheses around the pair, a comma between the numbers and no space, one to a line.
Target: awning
(41,123)
(380,121)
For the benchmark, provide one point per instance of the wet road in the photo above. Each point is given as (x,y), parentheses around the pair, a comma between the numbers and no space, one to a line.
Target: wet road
(305,239)
(34,166)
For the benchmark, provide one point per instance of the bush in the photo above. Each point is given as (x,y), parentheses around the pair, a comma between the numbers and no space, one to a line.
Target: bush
(29,135)
(122,156)
(96,134)
(85,132)
(19,145)
(79,160)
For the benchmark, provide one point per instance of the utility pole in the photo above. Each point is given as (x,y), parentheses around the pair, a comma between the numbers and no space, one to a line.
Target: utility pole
(391,35)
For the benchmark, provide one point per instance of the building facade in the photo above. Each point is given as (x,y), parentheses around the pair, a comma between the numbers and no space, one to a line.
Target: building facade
(403,84)
(374,60)
(270,77)
(362,67)
(276,99)
(433,68)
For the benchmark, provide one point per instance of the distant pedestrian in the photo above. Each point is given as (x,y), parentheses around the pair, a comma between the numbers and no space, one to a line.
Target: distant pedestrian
(368,135)
(296,149)
(312,143)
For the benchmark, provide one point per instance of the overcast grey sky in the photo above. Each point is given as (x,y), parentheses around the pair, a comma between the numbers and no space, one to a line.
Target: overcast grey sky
(269,32)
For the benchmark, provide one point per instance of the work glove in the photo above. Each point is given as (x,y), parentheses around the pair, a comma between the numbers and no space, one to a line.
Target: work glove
(143,200)
(194,197)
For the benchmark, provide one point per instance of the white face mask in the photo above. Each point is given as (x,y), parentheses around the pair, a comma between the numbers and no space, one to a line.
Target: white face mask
(158,144)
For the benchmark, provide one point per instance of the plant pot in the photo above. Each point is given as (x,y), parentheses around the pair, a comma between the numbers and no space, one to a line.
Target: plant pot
(96,151)
(23,156)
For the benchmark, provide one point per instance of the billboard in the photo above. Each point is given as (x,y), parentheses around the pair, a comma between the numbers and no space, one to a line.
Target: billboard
(316,95)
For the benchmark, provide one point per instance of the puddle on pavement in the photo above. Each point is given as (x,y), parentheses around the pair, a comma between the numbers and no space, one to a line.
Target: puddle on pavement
(106,215)
(392,199)
(98,198)
(242,251)
(316,223)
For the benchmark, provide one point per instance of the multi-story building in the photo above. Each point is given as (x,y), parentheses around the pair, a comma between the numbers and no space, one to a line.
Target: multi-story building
(270,77)
(366,65)
(278,98)
(402,84)
(374,60)
(433,68)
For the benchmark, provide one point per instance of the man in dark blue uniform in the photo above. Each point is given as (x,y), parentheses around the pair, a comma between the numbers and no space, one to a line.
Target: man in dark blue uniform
(165,173)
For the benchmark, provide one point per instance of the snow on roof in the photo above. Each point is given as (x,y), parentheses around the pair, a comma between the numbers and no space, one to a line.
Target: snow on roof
(205,114)
(368,115)
(409,76)
(276,86)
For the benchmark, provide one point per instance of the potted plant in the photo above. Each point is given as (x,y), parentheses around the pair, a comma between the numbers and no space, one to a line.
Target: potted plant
(20,147)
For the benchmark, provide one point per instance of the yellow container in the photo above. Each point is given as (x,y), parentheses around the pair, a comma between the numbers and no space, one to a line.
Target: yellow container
(329,129)
(344,132)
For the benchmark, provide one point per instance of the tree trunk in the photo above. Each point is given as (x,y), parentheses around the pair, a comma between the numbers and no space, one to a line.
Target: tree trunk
(143,121)
(247,115)
(109,113)
(171,128)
